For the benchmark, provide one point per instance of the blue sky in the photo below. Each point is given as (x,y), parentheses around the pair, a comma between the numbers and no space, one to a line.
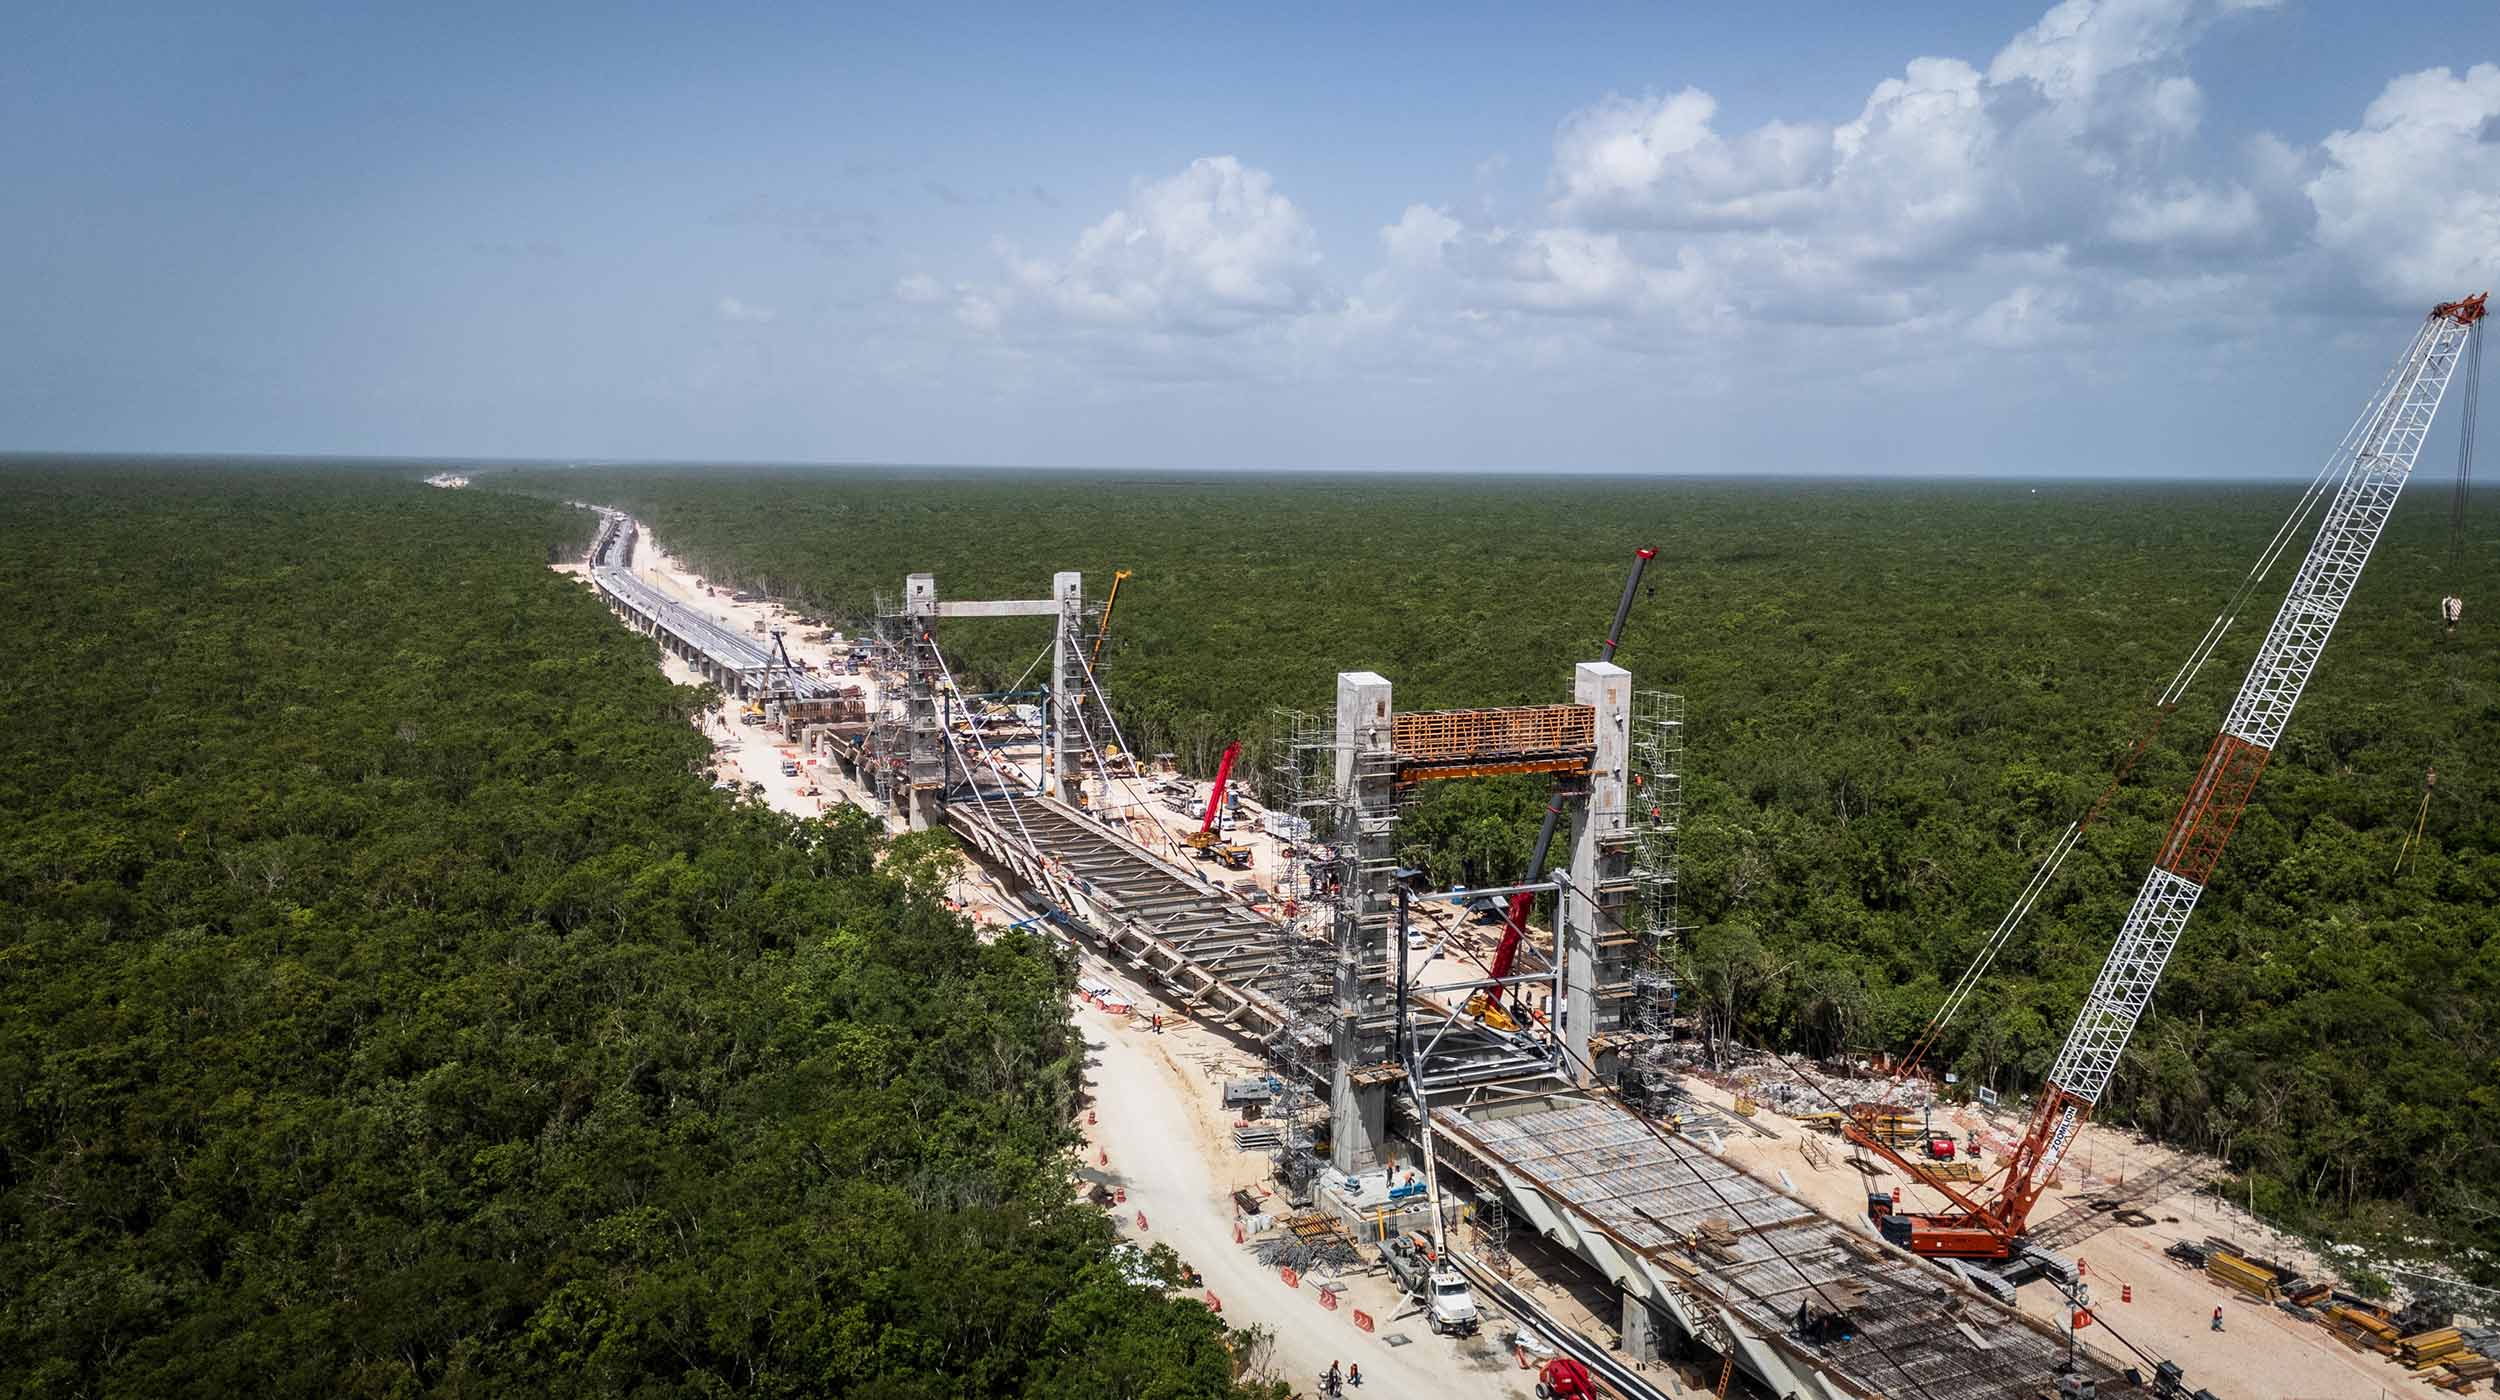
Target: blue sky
(2158,237)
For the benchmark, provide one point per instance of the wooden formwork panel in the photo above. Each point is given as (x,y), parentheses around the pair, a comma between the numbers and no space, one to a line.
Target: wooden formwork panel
(1518,731)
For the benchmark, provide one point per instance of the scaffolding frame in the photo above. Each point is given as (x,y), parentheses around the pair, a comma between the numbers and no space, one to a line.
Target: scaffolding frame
(1653,820)
(1300,760)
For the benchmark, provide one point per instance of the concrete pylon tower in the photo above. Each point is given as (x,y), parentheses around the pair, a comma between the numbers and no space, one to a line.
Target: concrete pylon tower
(1067,683)
(1597,950)
(925,766)
(1366,802)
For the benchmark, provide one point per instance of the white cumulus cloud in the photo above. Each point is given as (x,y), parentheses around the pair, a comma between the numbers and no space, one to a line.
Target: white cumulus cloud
(1959,195)
(743,313)
(1658,160)
(1211,250)
(2049,197)
(1419,235)
(2411,197)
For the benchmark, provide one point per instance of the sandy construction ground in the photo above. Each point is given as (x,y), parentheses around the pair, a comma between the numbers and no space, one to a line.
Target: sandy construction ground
(2160,1306)
(1161,1123)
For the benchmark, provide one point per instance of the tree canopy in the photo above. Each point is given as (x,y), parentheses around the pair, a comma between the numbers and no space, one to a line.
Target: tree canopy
(388,1007)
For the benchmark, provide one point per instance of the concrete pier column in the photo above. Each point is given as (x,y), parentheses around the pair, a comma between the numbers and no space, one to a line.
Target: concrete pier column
(925,769)
(1597,963)
(1067,681)
(1642,1331)
(1366,800)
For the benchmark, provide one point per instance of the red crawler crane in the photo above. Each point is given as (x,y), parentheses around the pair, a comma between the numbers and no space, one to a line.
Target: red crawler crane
(2369,470)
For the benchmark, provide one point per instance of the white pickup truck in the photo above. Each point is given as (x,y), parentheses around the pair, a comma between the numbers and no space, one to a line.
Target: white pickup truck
(1449,1305)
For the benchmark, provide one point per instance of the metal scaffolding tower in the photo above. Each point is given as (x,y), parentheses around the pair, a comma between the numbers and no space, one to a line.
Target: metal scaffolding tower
(1654,815)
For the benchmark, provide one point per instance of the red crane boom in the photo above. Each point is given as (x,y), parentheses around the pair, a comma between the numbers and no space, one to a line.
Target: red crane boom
(1215,799)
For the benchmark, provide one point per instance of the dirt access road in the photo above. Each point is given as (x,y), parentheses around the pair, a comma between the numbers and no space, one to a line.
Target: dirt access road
(1169,1144)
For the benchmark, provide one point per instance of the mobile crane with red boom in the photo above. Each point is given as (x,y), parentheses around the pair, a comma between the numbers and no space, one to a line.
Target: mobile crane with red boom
(1207,841)
(2367,473)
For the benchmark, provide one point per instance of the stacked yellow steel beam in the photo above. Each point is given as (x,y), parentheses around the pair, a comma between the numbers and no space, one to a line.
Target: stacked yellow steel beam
(2235,1272)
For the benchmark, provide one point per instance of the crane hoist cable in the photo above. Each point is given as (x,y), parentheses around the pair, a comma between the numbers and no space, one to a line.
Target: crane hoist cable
(2453,606)
(2430,780)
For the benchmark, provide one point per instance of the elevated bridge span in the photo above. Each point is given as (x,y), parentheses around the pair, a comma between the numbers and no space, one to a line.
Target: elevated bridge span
(1220,957)
(1812,1307)
(736,663)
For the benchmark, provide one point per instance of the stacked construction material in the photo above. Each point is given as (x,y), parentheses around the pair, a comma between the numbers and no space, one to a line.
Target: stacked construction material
(1258,1137)
(2423,1350)
(1716,1239)
(1310,1242)
(2459,1372)
(2443,1358)
(2362,1328)
(2249,1277)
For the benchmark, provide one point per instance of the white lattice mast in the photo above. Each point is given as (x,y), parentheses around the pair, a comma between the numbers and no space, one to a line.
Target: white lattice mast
(2372,465)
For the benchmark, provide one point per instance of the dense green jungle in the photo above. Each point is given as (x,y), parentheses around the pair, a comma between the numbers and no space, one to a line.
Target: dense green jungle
(389,1007)
(1897,692)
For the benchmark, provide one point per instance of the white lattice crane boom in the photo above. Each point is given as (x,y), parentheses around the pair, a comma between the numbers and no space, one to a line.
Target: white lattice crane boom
(2369,468)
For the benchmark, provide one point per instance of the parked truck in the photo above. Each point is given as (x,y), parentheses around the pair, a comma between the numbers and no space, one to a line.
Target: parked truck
(1449,1305)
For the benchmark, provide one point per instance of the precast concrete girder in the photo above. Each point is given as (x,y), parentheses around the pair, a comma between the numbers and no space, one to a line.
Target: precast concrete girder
(1126,901)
